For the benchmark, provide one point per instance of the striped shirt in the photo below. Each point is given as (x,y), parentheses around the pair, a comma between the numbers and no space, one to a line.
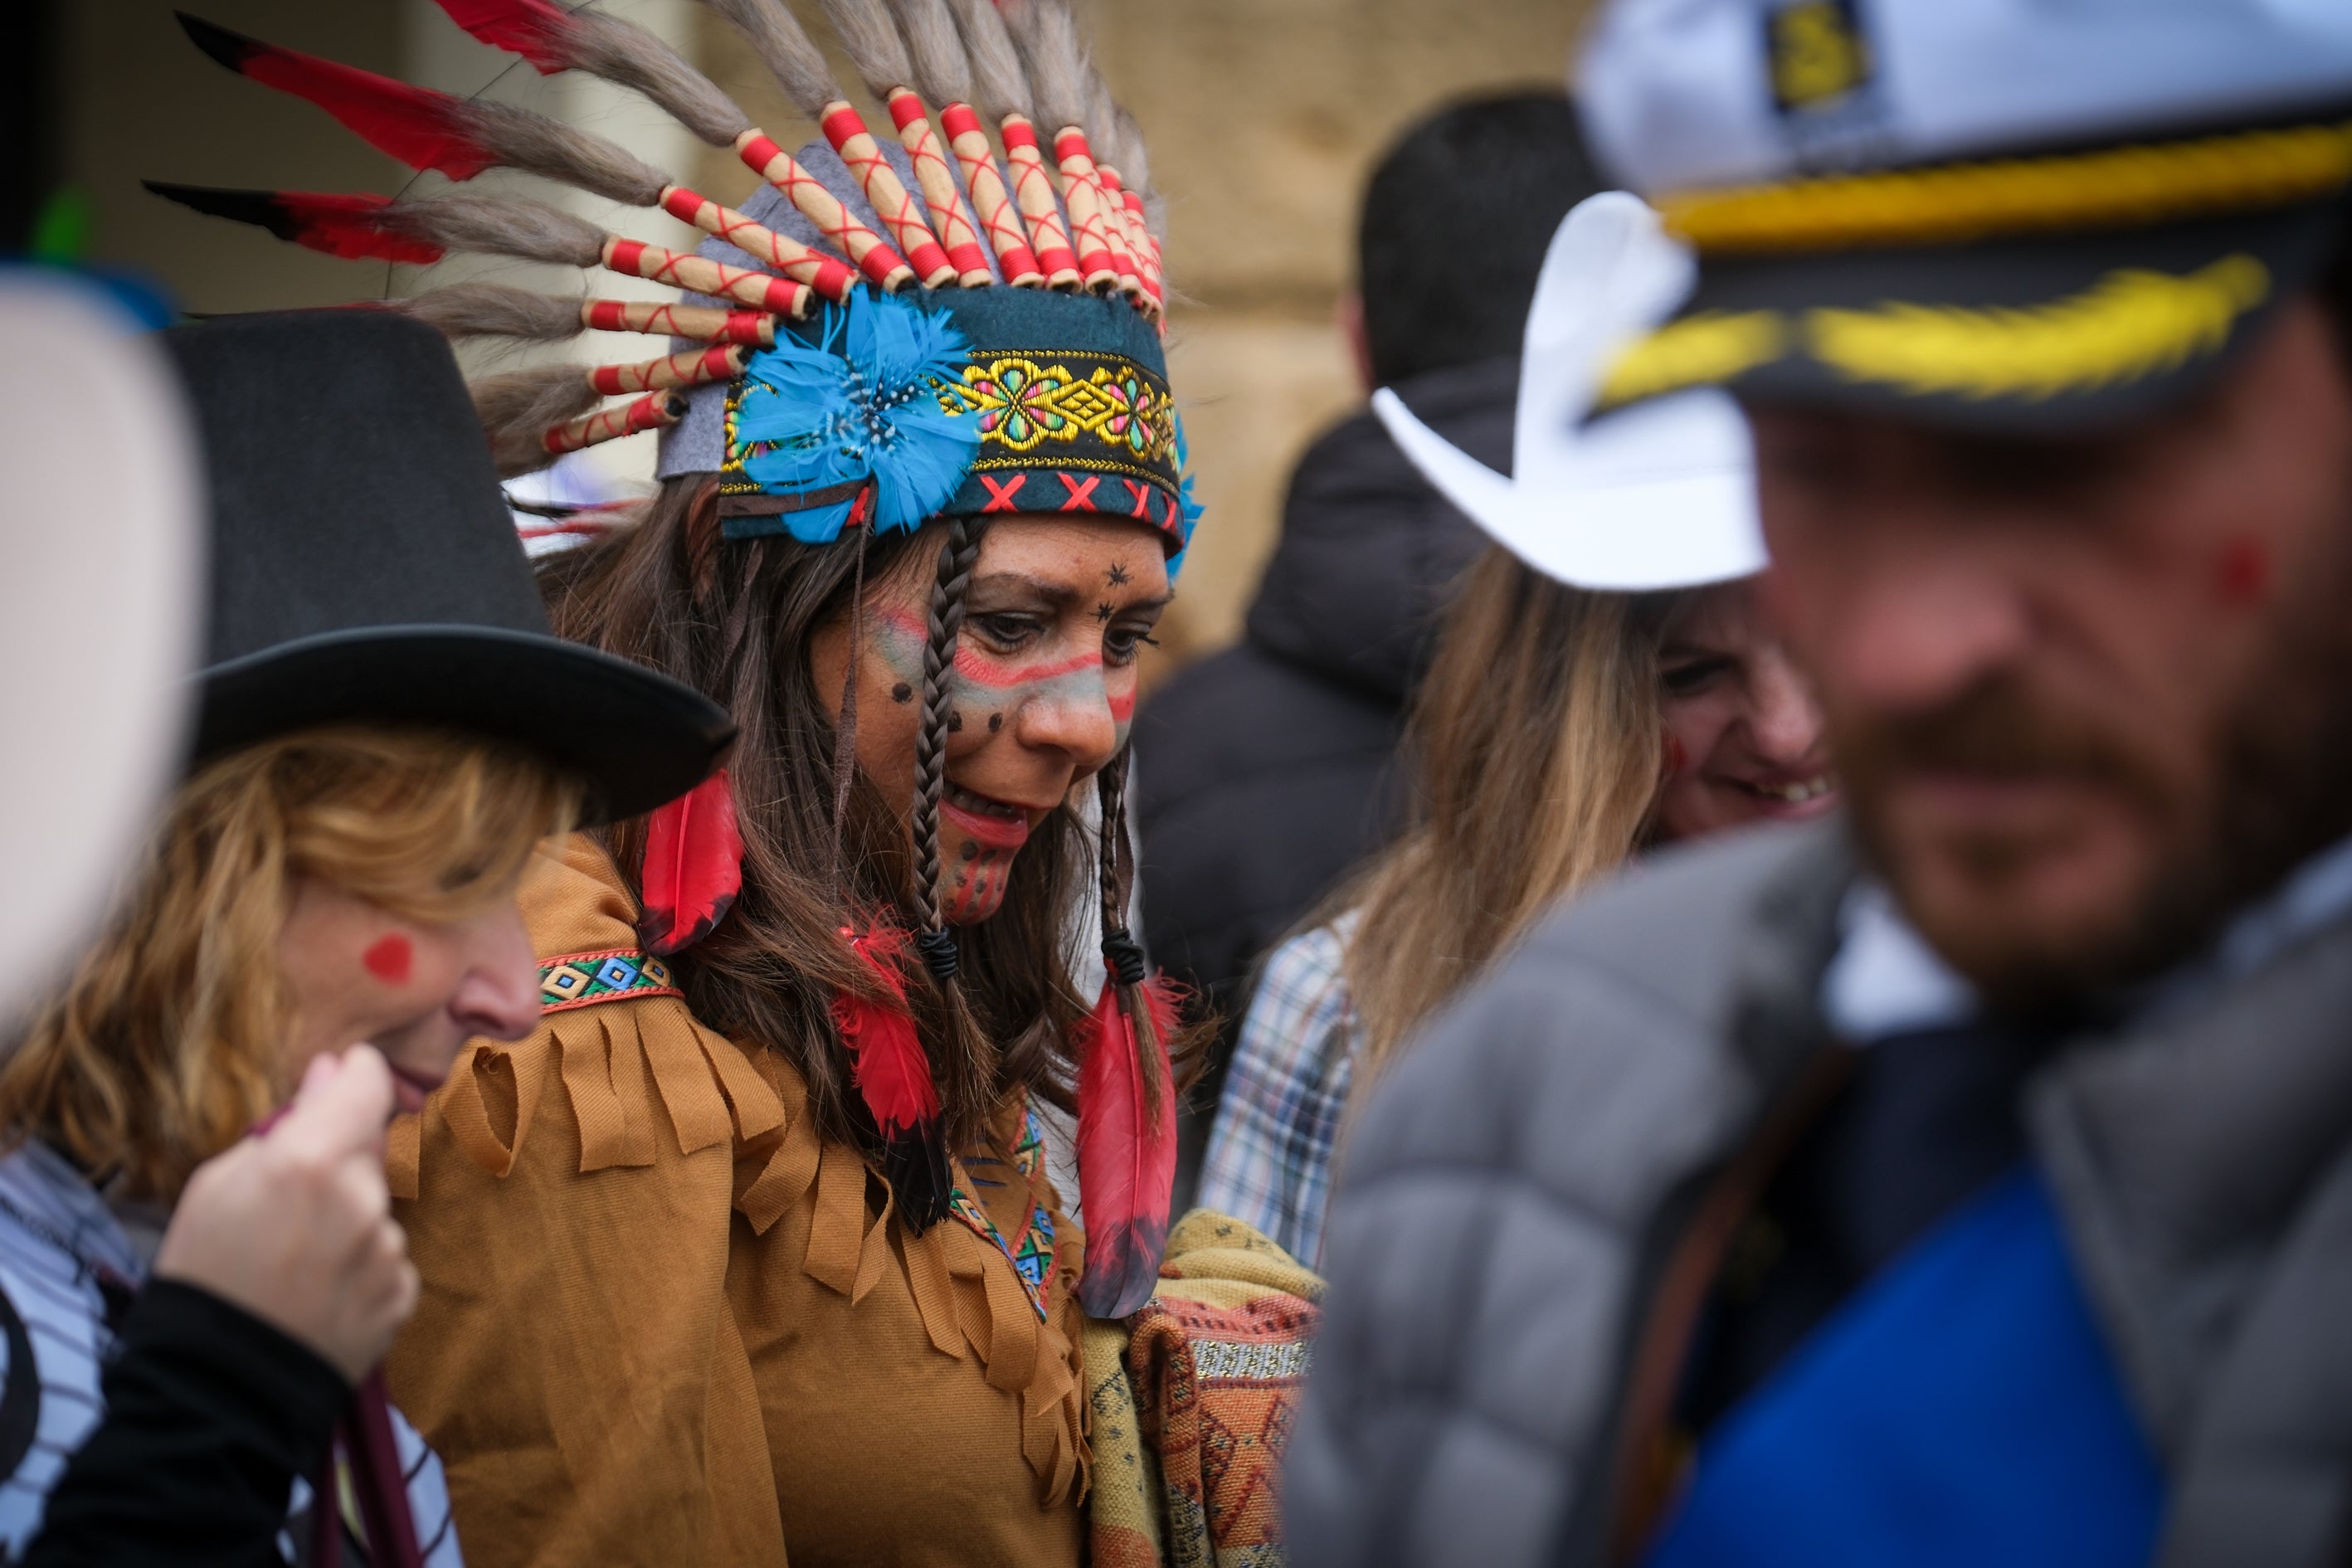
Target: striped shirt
(1269,1160)
(62,1250)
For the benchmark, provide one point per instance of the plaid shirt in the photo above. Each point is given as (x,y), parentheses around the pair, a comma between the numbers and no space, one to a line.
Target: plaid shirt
(1269,1160)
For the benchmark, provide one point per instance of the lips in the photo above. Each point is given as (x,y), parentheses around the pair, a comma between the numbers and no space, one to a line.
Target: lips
(1786,797)
(992,824)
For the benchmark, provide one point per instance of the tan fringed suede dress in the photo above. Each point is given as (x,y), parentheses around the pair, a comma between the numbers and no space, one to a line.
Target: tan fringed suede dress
(663,1323)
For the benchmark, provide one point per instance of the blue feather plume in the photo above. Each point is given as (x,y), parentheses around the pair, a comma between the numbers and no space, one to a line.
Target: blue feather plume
(1191,508)
(861,406)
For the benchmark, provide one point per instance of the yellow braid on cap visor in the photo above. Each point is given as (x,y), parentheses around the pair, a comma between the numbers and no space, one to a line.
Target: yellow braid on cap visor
(1954,204)
(2130,325)
(1704,350)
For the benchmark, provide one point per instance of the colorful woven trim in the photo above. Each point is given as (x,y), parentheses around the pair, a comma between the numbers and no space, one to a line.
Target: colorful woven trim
(1104,409)
(1957,203)
(1031,1252)
(2131,324)
(1064,398)
(616,974)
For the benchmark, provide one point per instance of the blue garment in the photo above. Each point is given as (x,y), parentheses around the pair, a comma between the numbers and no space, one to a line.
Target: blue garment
(1959,1411)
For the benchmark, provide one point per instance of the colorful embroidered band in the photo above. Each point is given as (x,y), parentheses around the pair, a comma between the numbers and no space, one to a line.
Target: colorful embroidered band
(1954,203)
(1028,402)
(1031,1253)
(619,974)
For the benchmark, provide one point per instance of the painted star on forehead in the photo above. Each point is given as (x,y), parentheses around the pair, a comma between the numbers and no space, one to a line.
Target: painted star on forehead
(1105,612)
(1118,578)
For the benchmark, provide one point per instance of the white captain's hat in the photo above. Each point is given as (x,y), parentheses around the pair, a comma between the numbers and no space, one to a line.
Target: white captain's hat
(2003,212)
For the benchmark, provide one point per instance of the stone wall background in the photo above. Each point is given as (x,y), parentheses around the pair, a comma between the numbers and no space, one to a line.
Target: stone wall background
(1264,117)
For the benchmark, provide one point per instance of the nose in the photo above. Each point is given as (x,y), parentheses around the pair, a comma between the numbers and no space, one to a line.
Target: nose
(498,996)
(1913,633)
(1076,716)
(1785,723)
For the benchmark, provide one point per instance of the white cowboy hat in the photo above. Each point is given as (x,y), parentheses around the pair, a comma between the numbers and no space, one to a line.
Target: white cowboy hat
(1658,495)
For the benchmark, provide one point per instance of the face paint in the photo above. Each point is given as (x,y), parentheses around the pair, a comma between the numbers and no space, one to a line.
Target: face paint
(390,959)
(902,692)
(1675,759)
(2241,572)
(1118,576)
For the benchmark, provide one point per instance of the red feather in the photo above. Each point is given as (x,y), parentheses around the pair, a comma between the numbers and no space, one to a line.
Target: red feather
(531,28)
(886,1059)
(349,227)
(423,128)
(693,865)
(1126,1155)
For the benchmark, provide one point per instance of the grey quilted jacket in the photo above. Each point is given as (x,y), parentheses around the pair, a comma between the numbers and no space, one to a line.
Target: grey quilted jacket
(1533,1199)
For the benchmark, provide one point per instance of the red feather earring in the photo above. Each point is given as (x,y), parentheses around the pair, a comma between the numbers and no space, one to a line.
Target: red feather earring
(893,1075)
(1127,1134)
(693,866)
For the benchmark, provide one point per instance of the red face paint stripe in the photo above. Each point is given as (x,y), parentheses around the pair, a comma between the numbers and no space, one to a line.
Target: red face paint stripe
(976,668)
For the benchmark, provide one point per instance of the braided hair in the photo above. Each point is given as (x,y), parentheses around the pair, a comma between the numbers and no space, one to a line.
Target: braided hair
(1123,958)
(972,1058)
(958,553)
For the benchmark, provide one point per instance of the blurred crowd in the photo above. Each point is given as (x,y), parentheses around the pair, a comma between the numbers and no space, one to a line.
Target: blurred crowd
(1748,964)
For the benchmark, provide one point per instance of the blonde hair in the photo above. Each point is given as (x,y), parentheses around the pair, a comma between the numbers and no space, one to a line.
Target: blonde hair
(1537,740)
(165,1044)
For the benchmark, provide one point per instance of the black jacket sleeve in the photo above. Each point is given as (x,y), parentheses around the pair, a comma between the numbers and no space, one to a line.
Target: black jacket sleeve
(211,1413)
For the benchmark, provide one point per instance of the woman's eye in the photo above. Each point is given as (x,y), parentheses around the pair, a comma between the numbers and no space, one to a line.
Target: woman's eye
(1003,631)
(1122,643)
(1693,676)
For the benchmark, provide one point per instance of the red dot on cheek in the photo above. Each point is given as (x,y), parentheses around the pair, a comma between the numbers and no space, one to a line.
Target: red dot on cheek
(1675,758)
(390,959)
(2241,572)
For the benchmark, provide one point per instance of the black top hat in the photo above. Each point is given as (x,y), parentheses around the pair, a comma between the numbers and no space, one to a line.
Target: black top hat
(365,567)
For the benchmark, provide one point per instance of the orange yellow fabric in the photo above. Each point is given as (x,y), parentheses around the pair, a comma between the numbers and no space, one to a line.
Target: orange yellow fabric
(1193,1399)
(663,1322)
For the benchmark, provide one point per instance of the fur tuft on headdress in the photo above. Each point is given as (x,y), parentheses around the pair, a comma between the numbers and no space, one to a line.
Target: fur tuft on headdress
(870,38)
(996,71)
(942,72)
(553,38)
(494,310)
(518,407)
(1054,58)
(785,47)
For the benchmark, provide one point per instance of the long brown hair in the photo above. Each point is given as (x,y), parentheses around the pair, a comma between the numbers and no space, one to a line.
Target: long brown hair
(1536,739)
(735,619)
(167,1041)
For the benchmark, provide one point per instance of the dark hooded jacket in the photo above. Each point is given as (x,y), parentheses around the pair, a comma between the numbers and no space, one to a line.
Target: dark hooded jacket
(1267,771)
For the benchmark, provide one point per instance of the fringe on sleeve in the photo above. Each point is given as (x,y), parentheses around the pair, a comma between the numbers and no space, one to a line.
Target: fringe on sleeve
(633,1070)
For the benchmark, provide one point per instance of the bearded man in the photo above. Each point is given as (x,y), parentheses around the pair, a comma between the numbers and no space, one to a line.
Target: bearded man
(1969,1181)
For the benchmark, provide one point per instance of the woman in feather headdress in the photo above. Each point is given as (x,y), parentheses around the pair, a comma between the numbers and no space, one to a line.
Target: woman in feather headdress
(764,1259)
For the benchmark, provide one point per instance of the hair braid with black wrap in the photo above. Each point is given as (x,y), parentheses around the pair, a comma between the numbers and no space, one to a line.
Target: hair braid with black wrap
(1123,959)
(972,1061)
(957,555)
